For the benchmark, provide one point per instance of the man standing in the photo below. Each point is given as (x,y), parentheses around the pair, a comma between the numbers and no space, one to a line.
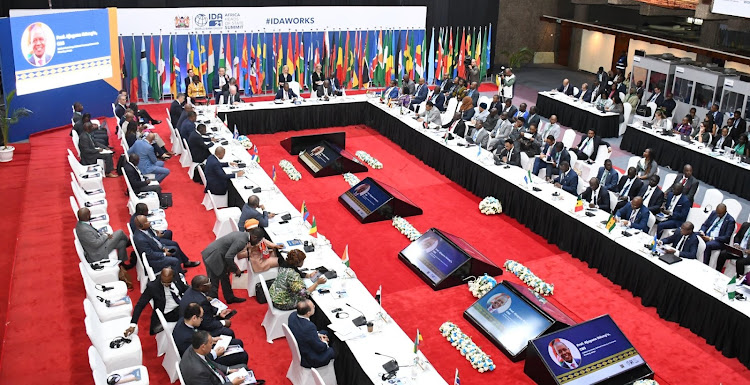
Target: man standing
(97,246)
(313,345)
(250,210)
(148,163)
(717,115)
(473,72)
(217,181)
(219,259)
(716,231)
(409,85)
(739,126)
(508,80)
(166,292)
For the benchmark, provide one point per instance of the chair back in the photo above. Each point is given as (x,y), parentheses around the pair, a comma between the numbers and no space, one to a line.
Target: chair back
(622,97)
(179,373)
(701,248)
(733,208)
(131,194)
(294,86)
(221,99)
(568,138)
(98,368)
(114,114)
(317,378)
(452,106)
(203,177)
(147,267)
(576,90)
(627,112)
(652,106)
(210,197)
(265,291)
(668,181)
(651,222)
(187,158)
(172,355)
(76,139)
(293,346)
(632,162)
(74,206)
(233,225)
(711,199)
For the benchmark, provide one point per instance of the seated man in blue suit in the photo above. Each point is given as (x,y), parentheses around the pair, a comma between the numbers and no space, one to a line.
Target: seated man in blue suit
(438,100)
(716,231)
(420,95)
(607,176)
(199,144)
(568,179)
(392,91)
(684,243)
(584,93)
(189,323)
(213,321)
(313,344)
(187,126)
(566,87)
(253,209)
(158,254)
(557,157)
(142,209)
(634,214)
(217,180)
(286,93)
(675,210)
(652,195)
(149,164)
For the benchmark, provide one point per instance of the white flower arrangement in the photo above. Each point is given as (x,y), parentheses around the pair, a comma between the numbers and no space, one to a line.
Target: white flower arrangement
(479,360)
(351,179)
(403,226)
(245,141)
(289,169)
(645,382)
(525,275)
(490,206)
(374,163)
(481,285)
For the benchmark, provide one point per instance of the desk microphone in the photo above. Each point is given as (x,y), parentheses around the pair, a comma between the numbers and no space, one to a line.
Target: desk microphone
(390,367)
(359,321)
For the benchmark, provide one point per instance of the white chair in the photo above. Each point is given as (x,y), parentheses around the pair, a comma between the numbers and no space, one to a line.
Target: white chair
(701,249)
(179,373)
(711,199)
(452,107)
(171,356)
(627,111)
(186,160)
(526,162)
(110,290)
(668,181)
(94,194)
(622,97)
(162,342)
(568,138)
(96,206)
(99,221)
(253,278)
(99,370)
(299,375)
(150,198)
(275,318)
(575,91)
(102,333)
(713,259)
(612,201)
(589,171)
(222,226)
(101,311)
(651,223)
(76,139)
(294,86)
(106,275)
(632,162)
(733,208)
(88,180)
(221,200)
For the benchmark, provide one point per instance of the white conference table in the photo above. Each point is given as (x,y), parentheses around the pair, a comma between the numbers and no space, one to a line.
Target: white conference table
(577,114)
(387,337)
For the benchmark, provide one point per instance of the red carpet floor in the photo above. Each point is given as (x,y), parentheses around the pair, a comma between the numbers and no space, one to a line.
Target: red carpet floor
(45,334)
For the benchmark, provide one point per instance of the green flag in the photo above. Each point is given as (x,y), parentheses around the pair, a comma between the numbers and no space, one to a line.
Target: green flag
(732,288)
(153,75)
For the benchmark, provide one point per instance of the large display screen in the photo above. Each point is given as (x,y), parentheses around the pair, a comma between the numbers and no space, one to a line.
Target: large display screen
(588,353)
(434,256)
(58,50)
(319,156)
(366,197)
(508,319)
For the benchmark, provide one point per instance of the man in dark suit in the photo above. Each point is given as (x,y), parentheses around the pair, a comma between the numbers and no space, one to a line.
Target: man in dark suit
(176,108)
(652,195)
(559,154)
(438,100)
(97,246)
(219,259)
(688,181)
(188,325)
(596,195)
(220,84)
(675,210)
(445,85)
(717,115)
(232,97)
(509,154)
(724,140)
(217,181)
(189,79)
(656,97)
(634,214)
(566,88)
(588,147)
(568,179)
(120,107)
(157,253)
(142,209)
(90,152)
(198,366)
(325,90)
(627,188)
(584,93)
(495,103)
(684,243)
(138,182)
(508,108)
(199,144)
(716,231)
(166,292)
(420,94)
(313,344)
(741,242)
(183,116)
(285,93)
(187,127)
(213,320)
(99,133)
(607,175)
(251,210)
(739,126)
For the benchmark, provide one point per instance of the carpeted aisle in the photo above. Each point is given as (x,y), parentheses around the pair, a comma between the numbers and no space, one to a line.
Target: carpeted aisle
(45,316)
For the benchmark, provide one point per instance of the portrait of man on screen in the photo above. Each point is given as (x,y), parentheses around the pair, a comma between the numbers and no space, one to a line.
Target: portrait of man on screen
(38,44)
(564,353)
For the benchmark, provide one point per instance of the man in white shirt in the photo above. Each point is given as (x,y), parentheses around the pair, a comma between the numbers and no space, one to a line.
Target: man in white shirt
(188,325)
(683,243)
(220,84)
(552,128)
(596,195)
(165,291)
(198,366)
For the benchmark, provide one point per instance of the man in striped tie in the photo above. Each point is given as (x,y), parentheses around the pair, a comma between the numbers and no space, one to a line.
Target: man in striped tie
(684,243)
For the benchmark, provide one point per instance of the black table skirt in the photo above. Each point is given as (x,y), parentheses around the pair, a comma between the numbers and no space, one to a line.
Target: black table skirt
(577,119)
(293,119)
(675,300)
(706,168)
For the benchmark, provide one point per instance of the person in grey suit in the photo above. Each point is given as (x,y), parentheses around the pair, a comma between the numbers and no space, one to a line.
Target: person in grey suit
(500,132)
(96,245)
(219,259)
(250,210)
(198,366)
(478,135)
(430,114)
(409,84)
(90,152)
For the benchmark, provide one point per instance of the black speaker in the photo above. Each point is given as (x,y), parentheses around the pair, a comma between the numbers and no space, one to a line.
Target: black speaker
(640,52)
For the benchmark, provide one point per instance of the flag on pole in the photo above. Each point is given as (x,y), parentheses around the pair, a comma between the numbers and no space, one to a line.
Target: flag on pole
(378,70)
(262,66)
(174,68)
(379,295)
(388,58)
(314,228)
(460,68)
(273,172)
(162,66)
(408,58)
(579,204)
(228,58)
(732,288)
(236,59)
(611,223)
(304,211)
(123,69)
(417,341)
(418,61)
(144,70)
(456,380)
(246,82)
(203,58)
(222,59)
(210,66)
(345,256)
(153,73)
(430,74)
(290,56)
(488,45)
(133,73)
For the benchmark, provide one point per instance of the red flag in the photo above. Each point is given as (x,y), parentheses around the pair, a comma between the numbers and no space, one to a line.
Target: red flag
(460,64)
(123,70)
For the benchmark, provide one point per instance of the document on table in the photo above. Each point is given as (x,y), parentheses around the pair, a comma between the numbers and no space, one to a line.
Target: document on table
(345,330)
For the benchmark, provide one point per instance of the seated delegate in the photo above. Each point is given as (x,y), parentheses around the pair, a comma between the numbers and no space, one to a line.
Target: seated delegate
(289,288)
(313,345)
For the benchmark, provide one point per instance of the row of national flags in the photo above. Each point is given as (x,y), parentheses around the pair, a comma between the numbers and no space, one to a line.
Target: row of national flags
(356,59)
